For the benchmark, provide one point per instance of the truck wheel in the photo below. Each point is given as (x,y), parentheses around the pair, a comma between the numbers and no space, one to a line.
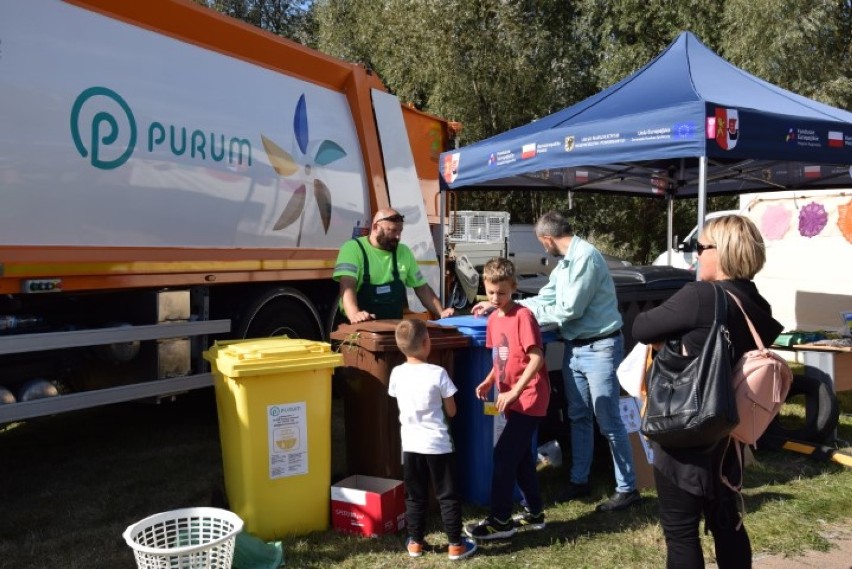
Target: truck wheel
(334,318)
(821,412)
(282,312)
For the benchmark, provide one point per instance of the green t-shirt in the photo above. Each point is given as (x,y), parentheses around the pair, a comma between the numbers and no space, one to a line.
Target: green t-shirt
(350,263)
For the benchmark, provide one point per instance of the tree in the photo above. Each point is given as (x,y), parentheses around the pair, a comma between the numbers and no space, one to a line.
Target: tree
(286,18)
(489,64)
(627,34)
(805,47)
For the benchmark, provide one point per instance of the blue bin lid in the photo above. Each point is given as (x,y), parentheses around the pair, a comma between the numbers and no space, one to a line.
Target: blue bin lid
(474,327)
(471,326)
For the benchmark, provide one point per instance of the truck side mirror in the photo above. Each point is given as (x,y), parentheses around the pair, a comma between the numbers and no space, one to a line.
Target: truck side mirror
(687,246)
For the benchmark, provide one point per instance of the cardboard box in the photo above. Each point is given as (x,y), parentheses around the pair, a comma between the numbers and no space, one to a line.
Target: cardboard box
(368,506)
(643,456)
(832,361)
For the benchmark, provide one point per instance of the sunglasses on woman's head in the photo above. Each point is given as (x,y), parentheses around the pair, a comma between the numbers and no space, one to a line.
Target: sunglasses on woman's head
(701,247)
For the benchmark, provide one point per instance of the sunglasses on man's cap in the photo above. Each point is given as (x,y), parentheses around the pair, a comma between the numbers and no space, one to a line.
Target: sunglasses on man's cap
(395,218)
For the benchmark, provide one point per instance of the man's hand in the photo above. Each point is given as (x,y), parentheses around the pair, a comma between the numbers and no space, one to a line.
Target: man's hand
(361,316)
(481,308)
(447,312)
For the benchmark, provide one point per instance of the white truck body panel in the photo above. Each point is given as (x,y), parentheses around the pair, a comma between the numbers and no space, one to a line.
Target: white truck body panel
(404,190)
(684,257)
(160,190)
(807,280)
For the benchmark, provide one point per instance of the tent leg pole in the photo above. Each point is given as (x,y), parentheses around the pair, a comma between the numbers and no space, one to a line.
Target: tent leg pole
(442,254)
(702,197)
(670,229)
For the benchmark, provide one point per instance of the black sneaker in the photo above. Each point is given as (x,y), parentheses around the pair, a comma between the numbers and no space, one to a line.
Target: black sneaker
(619,501)
(491,528)
(526,520)
(573,491)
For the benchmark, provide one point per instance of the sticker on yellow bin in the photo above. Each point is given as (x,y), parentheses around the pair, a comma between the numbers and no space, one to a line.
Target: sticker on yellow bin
(288,431)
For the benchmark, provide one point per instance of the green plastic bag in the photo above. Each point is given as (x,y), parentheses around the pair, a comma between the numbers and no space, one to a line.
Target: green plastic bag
(251,552)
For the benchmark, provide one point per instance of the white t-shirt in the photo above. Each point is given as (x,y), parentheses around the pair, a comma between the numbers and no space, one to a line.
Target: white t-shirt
(420,390)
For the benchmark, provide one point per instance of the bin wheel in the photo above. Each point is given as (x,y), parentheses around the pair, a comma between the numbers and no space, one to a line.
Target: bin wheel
(282,312)
(822,411)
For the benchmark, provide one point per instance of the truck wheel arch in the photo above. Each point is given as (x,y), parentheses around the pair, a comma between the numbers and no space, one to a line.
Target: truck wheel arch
(281,311)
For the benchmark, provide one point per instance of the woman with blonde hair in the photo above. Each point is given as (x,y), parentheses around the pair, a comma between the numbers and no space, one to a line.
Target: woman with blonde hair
(730,252)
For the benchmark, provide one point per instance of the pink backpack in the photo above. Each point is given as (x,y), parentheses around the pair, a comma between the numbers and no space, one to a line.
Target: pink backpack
(762,380)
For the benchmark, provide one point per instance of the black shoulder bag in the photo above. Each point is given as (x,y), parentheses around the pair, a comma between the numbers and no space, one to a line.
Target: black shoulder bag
(690,399)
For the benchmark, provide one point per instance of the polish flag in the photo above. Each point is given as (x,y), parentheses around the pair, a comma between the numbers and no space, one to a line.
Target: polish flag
(528,151)
(711,128)
(813,171)
(581,176)
(835,139)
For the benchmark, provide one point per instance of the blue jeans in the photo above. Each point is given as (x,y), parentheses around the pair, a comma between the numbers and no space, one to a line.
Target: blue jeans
(592,391)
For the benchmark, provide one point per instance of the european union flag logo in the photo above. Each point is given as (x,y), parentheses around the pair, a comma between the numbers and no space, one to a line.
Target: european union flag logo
(683,130)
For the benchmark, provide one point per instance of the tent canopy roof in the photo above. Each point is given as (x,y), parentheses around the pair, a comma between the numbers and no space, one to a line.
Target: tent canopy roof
(645,135)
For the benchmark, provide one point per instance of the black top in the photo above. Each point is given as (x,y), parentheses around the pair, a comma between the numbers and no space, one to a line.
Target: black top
(688,315)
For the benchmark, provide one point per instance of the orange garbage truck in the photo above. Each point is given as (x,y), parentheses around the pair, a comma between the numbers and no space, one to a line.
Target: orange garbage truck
(169,175)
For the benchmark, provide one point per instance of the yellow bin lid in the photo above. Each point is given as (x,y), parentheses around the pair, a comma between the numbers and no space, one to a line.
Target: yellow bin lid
(243,358)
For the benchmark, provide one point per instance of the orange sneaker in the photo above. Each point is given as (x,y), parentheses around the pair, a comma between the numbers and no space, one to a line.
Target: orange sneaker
(461,550)
(415,548)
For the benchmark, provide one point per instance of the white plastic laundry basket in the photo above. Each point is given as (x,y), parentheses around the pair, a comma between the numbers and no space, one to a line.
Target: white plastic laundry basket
(191,538)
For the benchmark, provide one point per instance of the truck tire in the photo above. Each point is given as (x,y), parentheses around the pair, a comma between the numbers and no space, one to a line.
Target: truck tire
(282,312)
(821,411)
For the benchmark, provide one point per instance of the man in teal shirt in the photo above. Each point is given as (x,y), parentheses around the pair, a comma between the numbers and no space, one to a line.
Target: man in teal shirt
(374,271)
(580,297)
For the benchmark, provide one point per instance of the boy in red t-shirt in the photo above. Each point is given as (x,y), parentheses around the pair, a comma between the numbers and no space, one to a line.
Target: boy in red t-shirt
(524,392)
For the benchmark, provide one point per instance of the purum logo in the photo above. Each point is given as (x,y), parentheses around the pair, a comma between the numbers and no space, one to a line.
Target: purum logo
(104,128)
(113,134)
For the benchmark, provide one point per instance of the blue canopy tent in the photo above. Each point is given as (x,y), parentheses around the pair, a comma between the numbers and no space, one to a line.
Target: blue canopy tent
(687,124)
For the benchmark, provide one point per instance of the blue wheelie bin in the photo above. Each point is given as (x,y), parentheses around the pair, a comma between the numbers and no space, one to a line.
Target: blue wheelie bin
(476,427)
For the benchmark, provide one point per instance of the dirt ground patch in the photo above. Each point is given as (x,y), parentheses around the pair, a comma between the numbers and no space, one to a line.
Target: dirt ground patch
(838,557)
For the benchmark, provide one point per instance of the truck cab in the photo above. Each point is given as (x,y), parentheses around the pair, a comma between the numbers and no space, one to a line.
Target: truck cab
(684,257)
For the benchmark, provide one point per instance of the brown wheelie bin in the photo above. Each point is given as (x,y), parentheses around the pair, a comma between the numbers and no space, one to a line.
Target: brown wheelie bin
(371,416)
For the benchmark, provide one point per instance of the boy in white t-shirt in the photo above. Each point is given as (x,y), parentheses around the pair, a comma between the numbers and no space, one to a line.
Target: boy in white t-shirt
(424,394)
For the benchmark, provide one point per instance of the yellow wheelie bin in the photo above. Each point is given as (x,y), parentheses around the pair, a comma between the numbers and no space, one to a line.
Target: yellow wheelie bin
(273,397)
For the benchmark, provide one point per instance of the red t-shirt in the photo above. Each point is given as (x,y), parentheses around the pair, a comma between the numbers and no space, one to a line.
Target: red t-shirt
(510,338)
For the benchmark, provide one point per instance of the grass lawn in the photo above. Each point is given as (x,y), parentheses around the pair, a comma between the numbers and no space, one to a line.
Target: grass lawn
(71,484)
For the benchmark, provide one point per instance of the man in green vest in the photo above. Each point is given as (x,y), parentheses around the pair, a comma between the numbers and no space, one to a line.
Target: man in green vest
(374,271)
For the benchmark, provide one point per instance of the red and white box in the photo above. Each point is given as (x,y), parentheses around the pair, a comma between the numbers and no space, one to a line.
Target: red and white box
(368,506)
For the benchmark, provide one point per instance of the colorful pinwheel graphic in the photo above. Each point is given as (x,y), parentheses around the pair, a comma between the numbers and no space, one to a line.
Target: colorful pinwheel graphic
(775,222)
(287,166)
(812,219)
(844,220)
